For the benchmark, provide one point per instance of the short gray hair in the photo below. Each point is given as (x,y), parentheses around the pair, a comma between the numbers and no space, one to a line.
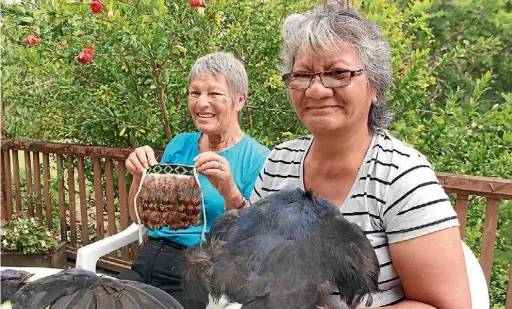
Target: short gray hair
(331,26)
(225,65)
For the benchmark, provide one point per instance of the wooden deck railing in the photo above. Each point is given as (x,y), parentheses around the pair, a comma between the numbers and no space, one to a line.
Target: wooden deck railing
(108,162)
(71,191)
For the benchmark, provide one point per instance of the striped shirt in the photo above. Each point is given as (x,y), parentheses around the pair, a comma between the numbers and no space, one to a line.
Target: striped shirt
(396,196)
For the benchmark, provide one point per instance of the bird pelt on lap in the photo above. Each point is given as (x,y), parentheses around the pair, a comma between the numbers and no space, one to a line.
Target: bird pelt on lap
(170,196)
(80,289)
(288,250)
(12,280)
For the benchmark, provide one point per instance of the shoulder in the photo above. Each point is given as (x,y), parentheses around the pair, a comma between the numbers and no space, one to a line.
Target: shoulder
(247,151)
(388,143)
(291,149)
(183,138)
(406,160)
(283,163)
(415,202)
(254,146)
(182,142)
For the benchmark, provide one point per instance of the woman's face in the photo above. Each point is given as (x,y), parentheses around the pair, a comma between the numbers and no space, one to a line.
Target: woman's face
(211,105)
(329,110)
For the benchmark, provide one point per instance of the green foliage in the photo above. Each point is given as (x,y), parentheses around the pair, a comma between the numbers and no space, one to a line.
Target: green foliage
(452,92)
(26,235)
(135,88)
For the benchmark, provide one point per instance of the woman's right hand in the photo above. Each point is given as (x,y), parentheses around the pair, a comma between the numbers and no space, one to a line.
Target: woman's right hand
(141,158)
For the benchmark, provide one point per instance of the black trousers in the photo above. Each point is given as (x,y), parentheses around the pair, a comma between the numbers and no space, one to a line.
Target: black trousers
(160,264)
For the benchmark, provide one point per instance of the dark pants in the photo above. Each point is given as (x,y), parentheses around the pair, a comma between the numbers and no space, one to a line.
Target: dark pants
(160,264)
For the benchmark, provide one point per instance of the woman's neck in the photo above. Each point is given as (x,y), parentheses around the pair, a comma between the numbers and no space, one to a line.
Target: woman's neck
(345,150)
(223,141)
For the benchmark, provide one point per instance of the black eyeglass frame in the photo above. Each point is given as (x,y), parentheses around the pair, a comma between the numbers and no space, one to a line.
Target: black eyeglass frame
(286,77)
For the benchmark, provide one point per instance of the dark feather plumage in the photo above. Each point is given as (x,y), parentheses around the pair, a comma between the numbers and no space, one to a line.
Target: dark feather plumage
(289,250)
(80,289)
(12,281)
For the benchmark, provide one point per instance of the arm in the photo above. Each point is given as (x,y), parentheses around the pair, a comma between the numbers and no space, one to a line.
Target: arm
(424,241)
(433,271)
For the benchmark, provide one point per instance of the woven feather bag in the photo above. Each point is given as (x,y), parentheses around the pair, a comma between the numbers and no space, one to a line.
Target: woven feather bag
(170,196)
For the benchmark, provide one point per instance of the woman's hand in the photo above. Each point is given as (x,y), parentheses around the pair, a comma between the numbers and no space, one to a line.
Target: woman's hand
(217,169)
(141,158)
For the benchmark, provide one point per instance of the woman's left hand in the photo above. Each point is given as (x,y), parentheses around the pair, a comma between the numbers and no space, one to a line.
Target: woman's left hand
(217,169)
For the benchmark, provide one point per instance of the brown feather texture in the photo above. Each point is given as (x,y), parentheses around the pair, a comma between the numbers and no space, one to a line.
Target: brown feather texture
(170,196)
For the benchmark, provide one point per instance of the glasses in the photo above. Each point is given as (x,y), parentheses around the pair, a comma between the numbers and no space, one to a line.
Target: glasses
(330,79)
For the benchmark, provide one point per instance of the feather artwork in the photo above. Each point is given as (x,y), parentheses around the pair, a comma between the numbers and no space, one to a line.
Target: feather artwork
(12,281)
(80,289)
(288,250)
(170,196)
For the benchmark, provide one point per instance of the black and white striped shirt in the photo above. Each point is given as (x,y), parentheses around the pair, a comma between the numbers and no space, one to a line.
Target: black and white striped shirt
(396,196)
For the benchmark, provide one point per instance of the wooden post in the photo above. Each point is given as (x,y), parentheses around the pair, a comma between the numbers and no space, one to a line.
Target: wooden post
(3,193)
(84,219)
(489,237)
(508,303)
(72,207)
(2,127)
(461,207)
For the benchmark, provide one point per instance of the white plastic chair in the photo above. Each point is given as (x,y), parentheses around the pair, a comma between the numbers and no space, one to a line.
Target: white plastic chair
(87,258)
(477,283)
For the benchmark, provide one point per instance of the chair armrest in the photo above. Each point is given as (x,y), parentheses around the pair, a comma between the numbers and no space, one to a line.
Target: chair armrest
(88,256)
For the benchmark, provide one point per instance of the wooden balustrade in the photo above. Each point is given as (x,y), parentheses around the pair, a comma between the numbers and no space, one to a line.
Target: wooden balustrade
(55,186)
(109,185)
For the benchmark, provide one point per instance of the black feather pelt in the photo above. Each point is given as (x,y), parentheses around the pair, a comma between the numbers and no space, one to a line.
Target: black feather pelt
(12,281)
(79,289)
(288,250)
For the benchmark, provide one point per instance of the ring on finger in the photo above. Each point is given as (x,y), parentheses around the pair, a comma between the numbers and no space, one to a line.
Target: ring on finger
(220,167)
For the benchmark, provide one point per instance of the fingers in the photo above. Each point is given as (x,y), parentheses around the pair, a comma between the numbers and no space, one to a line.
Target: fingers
(213,173)
(209,156)
(141,158)
(151,156)
(215,167)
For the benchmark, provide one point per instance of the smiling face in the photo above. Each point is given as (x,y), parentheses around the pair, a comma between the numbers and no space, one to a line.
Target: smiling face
(211,105)
(329,110)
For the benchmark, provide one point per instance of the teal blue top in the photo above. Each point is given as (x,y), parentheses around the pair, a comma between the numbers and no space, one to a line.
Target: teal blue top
(246,159)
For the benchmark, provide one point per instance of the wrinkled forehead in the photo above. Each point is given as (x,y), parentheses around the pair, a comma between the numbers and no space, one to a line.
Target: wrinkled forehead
(209,80)
(343,54)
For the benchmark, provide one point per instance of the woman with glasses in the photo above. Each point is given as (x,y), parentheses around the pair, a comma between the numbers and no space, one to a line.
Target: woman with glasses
(337,72)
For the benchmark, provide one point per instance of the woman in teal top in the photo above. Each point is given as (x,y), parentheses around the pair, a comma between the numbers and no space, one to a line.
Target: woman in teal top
(227,161)
(245,160)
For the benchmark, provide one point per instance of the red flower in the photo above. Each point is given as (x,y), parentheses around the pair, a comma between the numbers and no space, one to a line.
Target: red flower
(19,214)
(96,6)
(196,3)
(86,55)
(403,68)
(32,40)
